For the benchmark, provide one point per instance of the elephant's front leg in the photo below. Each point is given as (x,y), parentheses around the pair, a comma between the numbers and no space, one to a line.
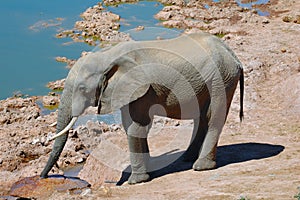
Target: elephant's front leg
(139,152)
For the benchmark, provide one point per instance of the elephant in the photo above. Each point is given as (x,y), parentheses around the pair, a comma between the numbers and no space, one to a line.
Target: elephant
(192,76)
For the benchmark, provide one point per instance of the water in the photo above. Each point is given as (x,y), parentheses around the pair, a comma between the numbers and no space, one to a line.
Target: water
(134,15)
(141,14)
(113,118)
(28,48)
(250,5)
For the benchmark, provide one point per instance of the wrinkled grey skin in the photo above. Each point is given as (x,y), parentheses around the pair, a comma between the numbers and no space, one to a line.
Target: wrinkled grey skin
(189,77)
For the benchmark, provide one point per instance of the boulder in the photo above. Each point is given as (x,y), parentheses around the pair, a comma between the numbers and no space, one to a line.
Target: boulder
(56,85)
(38,188)
(105,164)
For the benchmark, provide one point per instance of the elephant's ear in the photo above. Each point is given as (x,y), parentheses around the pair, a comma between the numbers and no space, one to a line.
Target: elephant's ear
(126,82)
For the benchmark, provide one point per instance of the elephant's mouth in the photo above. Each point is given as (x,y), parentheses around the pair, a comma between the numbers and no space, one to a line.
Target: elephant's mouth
(97,96)
(99,92)
(98,100)
(99,108)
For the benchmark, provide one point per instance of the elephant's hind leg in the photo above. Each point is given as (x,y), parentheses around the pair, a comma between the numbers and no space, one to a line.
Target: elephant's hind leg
(203,146)
(207,154)
(216,116)
(199,133)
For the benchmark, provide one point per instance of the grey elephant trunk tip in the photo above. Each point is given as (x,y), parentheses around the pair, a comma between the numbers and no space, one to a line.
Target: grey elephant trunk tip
(44,176)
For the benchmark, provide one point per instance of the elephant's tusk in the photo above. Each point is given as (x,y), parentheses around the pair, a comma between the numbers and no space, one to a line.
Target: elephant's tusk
(72,122)
(53,124)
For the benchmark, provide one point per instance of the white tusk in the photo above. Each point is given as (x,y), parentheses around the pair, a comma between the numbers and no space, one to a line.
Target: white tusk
(53,124)
(72,122)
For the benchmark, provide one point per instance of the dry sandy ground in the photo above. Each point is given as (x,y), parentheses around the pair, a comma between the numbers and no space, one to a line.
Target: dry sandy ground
(257,159)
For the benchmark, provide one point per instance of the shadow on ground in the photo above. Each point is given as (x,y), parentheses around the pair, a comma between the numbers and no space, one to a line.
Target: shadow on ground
(228,154)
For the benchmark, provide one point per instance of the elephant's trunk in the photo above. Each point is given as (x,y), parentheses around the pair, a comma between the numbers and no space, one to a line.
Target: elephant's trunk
(56,151)
(63,119)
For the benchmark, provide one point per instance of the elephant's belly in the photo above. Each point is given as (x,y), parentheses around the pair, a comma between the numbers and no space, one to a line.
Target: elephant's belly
(164,104)
(189,110)
(185,106)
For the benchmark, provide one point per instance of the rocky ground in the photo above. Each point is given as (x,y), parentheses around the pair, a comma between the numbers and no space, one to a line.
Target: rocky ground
(257,159)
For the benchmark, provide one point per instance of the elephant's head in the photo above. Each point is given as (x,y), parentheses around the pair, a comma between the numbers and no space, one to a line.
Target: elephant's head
(100,80)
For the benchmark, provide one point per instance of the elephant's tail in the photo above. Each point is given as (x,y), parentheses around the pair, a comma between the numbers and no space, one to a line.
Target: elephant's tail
(242,95)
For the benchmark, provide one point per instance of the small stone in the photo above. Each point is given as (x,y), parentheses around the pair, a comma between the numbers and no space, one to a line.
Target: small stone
(43,140)
(80,160)
(84,34)
(84,53)
(107,191)
(86,192)
(177,123)
(265,21)
(287,19)
(61,59)
(3,120)
(139,28)
(297,19)
(79,147)
(163,15)
(59,18)
(52,94)
(227,37)
(50,100)
(35,141)
(254,11)
(283,50)
(56,85)
(82,130)
(104,127)
(115,127)
(192,15)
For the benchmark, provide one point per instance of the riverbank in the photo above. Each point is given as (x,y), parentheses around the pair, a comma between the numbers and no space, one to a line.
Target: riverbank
(258,159)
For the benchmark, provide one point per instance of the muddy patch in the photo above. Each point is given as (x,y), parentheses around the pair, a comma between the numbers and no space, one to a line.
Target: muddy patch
(38,188)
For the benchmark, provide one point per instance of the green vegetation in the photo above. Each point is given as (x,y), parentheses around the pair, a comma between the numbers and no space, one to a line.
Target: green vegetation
(297,196)
(220,35)
(52,107)
(243,198)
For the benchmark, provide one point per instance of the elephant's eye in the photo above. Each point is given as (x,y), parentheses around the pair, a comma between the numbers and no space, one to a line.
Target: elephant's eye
(82,88)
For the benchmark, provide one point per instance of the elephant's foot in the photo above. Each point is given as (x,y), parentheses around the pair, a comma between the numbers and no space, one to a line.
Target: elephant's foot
(204,164)
(138,178)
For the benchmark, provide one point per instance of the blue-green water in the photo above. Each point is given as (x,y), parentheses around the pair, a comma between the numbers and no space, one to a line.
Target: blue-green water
(27,54)
(251,4)
(28,49)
